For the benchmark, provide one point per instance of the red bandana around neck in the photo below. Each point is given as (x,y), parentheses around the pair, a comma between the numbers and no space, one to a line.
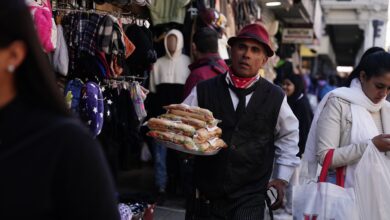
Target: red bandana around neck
(240,82)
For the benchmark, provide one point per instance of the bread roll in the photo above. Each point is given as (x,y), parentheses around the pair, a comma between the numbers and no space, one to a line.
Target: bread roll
(207,114)
(184,141)
(196,123)
(203,134)
(189,114)
(167,125)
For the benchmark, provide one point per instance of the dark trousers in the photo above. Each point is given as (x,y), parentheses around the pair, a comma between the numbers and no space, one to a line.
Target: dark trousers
(248,207)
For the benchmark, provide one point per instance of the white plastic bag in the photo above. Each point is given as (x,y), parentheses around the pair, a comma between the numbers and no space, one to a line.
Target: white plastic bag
(372,185)
(138,95)
(145,153)
(61,56)
(322,200)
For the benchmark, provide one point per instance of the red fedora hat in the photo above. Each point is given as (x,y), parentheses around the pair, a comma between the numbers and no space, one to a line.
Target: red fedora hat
(255,32)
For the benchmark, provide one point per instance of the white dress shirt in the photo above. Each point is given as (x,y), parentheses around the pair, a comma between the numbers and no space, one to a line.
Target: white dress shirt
(286,133)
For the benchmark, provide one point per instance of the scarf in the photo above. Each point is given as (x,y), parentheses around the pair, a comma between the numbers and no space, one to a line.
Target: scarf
(241,82)
(361,106)
(299,85)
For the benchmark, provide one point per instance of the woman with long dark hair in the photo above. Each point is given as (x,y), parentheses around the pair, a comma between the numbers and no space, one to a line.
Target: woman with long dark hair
(351,120)
(356,71)
(50,167)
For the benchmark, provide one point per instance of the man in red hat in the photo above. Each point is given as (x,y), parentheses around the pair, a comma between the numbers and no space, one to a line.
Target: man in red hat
(260,129)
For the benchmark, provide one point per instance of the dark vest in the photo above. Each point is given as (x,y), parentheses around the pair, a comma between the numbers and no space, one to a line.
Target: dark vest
(245,166)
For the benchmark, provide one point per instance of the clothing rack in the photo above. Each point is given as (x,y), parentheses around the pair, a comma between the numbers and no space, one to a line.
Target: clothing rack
(84,11)
(125,18)
(126,79)
(123,84)
(72,4)
(134,20)
(74,7)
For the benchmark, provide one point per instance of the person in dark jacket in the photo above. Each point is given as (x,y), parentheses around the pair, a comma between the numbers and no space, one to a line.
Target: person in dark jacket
(259,128)
(208,63)
(294,87)
(50,166)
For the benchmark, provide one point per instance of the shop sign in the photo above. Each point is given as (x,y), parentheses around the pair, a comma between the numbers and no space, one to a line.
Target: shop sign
(297,36)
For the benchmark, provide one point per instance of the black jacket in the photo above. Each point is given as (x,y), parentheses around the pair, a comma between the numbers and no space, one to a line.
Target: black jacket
(51,168)
(302,110)
(245,166)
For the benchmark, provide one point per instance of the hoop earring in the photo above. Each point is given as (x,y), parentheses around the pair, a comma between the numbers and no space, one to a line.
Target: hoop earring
(11,68)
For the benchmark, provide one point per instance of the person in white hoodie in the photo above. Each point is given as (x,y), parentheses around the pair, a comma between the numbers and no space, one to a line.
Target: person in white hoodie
(167,80)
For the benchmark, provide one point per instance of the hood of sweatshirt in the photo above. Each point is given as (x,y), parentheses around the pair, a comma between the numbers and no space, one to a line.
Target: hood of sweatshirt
(179,45)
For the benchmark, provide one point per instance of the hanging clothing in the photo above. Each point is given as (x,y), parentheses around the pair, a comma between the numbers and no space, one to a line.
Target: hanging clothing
(109,36)
(92,107)
(138,96)
(120,135)
(118,2)
(105,33)
(223,47)
(72,92)
(144,54)
(69,24)
(80,32)
(61,56)
(165,11)
(44,23)
(171,68)
(89,25)
(227,10)
(169,75)
(166,85)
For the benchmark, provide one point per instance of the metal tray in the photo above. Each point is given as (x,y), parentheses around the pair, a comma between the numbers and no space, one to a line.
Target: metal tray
(184,150)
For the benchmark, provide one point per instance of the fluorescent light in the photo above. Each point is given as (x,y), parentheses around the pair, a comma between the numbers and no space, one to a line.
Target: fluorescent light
(344,69)
(273,4)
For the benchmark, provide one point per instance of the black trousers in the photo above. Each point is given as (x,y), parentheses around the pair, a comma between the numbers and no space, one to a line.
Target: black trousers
(248,207)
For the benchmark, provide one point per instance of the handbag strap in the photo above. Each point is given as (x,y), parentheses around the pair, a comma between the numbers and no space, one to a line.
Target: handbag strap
(340,180)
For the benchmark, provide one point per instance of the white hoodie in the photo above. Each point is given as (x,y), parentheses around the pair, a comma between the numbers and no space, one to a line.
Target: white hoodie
(171,69)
